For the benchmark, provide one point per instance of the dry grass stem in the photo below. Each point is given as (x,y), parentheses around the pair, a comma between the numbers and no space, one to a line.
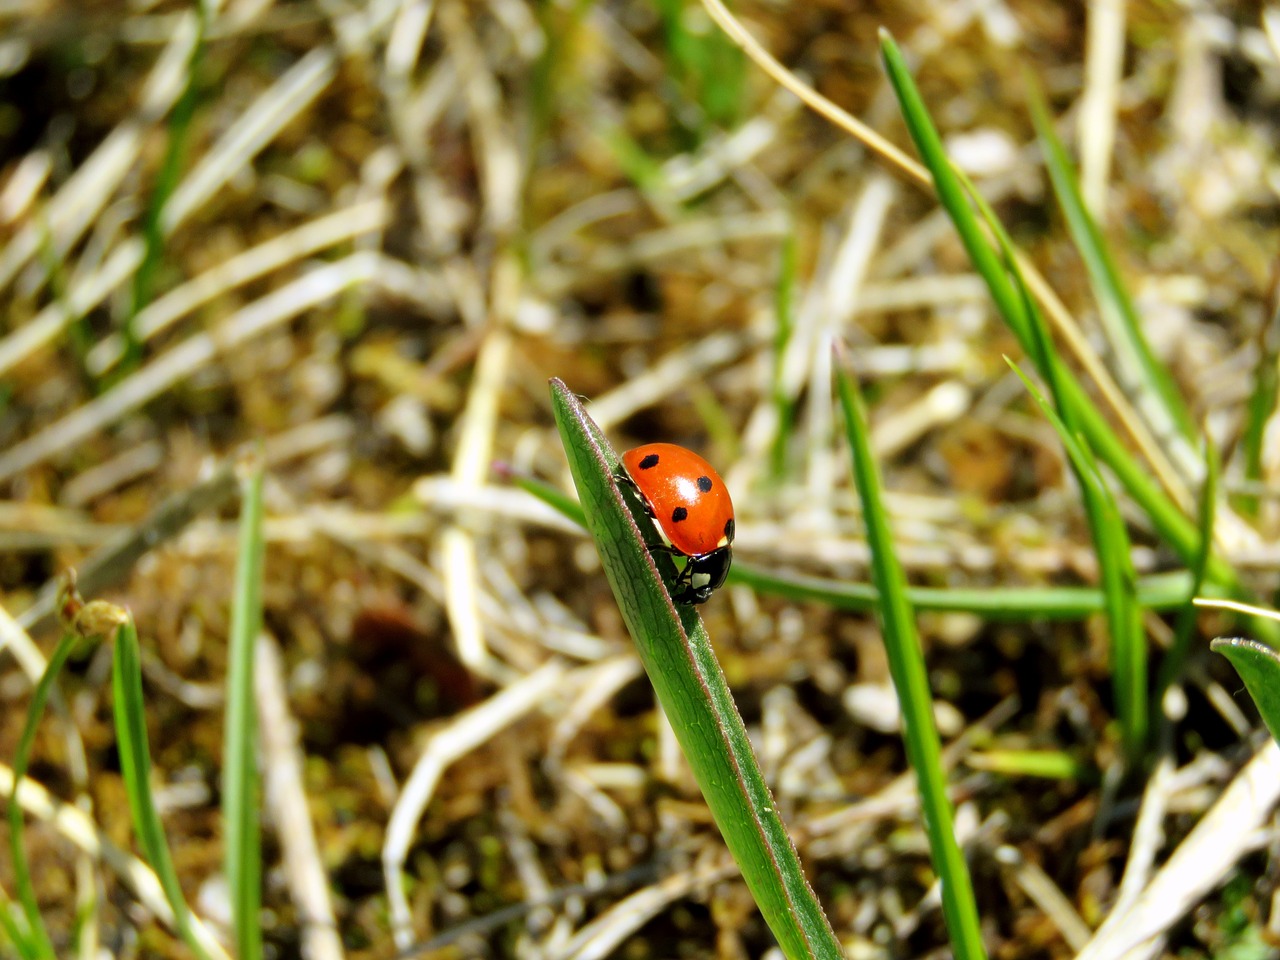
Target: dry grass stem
(73,209)
(446,747)
(309,238)
(1096,121)
(286,804)
(601,937)
(1230,830)
(1048,896)
(193,354)
(809,96)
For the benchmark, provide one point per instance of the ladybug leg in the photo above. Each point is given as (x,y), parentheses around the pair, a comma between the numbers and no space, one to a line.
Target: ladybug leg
(624,478)
(682,585)
(683,582)
(682,590)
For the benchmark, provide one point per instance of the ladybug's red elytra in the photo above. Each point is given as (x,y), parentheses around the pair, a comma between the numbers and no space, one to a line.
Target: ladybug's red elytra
(690,506)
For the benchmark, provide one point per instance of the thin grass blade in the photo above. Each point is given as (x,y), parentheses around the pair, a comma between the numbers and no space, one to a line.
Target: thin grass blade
(1145,375)
(1262,403)
(14,929)
(135,768)
(1039,764)
(1173,526)
(35,937)
(784,298)
(153,235)
(1128,645)
(1185,629)
(1161,592)
(1119,582)
(676,653)
(708,64)
(910,680)
(243,849)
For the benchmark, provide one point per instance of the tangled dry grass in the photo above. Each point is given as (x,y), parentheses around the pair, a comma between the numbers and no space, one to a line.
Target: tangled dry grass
(365,234)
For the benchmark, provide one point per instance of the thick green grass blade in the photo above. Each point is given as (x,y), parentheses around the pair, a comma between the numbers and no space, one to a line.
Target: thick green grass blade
(1162,592)
(676,653)
(1173,526)
(36,937)
(910,680)
(1259,668)
(243,848)
(1143,372)
(135,767)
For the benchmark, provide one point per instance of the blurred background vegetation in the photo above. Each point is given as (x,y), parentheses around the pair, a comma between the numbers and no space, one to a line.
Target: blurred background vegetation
(364,235)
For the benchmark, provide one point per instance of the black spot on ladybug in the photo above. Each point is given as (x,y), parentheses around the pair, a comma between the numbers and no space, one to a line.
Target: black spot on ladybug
(704,484)
(649,462)
(728,529)
(678,514)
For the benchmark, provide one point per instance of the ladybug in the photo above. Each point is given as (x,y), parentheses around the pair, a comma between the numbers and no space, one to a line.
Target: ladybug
(690,506)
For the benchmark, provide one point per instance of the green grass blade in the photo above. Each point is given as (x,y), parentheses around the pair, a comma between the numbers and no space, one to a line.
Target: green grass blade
(723,433)
(79,330)
(910,680)
(243,848)
(1173,526)
(1145,374)
(551,496)
(1162,592)
(1119,583)
(643,169)
(1128,647)
(37,937)
(709,66)
(552,72)
(135,767)
(1262,404)
(676,653)
(1185,629)
(153,236)
(1041,764)
(14,929)
(784,306)
(1259,668)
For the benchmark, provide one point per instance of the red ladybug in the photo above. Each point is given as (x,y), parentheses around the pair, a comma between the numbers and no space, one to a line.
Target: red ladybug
(691,508)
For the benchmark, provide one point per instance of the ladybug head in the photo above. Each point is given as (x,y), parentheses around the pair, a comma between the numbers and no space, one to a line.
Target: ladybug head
(702,575)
